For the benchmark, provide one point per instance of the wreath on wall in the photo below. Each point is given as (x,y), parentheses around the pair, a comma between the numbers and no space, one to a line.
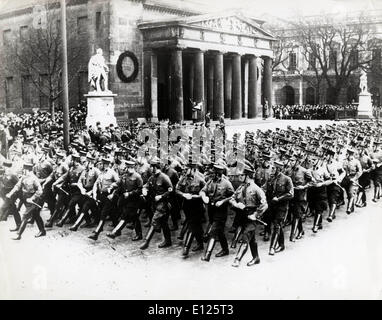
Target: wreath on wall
(121,75)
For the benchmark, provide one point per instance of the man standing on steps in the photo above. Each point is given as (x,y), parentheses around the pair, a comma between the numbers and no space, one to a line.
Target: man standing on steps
(158,190)
(129,190)
(216,194)
(30,188)
(251,203)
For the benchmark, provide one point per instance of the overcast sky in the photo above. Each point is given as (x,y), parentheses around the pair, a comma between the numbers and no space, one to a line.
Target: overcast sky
(287,8)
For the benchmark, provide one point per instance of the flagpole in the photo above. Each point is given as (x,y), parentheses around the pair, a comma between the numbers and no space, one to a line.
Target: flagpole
(65,75)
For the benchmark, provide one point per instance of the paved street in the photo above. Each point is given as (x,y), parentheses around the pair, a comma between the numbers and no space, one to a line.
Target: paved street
(344,260)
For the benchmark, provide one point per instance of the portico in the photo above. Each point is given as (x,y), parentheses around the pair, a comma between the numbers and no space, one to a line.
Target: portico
(211,59)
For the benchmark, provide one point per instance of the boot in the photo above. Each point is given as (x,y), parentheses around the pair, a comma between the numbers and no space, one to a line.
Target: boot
(187,245)
(198,247)
(49,222)
(210,248)
(148,238)
(15,229)
(167,237)
(293,230)
(316,223)
(255,254)
(117,230)
(236,237)
(95,234)
(62,221)
(224,245)
(281,246)
(376,193)
(332,209)
(40,225)
(206,235)
(359,201)
(183,230)
(350,207)
(78,222)
(273,242)
(240,254)
(40,234)
(138,230)
(21,229)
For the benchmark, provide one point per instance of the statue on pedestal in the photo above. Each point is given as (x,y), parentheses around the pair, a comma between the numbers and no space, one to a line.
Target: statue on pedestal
(363,82)
(98,70)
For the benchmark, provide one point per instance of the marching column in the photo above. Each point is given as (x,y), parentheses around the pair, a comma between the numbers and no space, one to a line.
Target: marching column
(177,84)
(236,87)
(199,80)
(218,86)
(252,88)
(268,83)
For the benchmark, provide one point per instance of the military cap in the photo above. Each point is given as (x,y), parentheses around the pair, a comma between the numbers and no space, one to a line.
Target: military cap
(75,156)
(7,163)
(60,154)
(278,163)
(28,165)
(106,160)
(218,166)
(90,157)
(155,161)
(83,153)
(248,169)
(350,150)
(129,162)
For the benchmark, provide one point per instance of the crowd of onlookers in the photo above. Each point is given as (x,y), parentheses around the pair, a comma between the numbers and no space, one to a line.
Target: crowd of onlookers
(314,112)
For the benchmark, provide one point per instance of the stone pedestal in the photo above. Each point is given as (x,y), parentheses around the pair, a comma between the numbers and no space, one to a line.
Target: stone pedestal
(100,109)
(365,108)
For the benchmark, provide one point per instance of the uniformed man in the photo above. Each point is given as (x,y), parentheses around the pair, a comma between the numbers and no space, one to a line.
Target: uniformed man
(173,200)
(128,191)
(30,188)
(377,172)
(216,194)
(300,177)
(189,187)
(251,203)
(103,190)
(365,179)
(85,184)
(7,182)
(353,170)
(58,193)
(158,190)
(282,192)
(75,195)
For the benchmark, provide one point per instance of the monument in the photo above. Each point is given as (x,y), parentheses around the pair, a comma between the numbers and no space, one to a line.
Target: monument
(365,107)
(100,102)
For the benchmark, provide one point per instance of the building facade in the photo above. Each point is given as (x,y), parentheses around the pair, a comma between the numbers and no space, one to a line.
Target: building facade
(162,58)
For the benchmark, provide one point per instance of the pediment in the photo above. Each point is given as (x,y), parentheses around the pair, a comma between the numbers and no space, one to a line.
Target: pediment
(231,24)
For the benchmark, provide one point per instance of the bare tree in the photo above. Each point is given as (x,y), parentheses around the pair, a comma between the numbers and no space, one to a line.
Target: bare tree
(335,48)
(38,54)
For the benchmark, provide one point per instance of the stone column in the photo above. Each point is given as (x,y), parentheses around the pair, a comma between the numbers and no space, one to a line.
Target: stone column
(199,81)
(252,87)
(300,98)
(227,88)
(268,83)
(244,97)
(218,86)
(151,84)
(177,85)
(236,87)
(210,86)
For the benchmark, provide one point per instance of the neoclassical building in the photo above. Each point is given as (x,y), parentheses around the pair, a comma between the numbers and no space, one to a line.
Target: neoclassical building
(163,57)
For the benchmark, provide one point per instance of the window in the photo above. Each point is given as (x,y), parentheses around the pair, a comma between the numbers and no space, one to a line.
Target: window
(312,61)
(292,61)
(376,58)
(7,37)
(98,21)
(353,59)
(332,59)
(26,91)
(9,91)
(23,33)
(44,103)
(82,25)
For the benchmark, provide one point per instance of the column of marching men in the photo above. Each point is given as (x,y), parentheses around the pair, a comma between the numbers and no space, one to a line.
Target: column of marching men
(286,177)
